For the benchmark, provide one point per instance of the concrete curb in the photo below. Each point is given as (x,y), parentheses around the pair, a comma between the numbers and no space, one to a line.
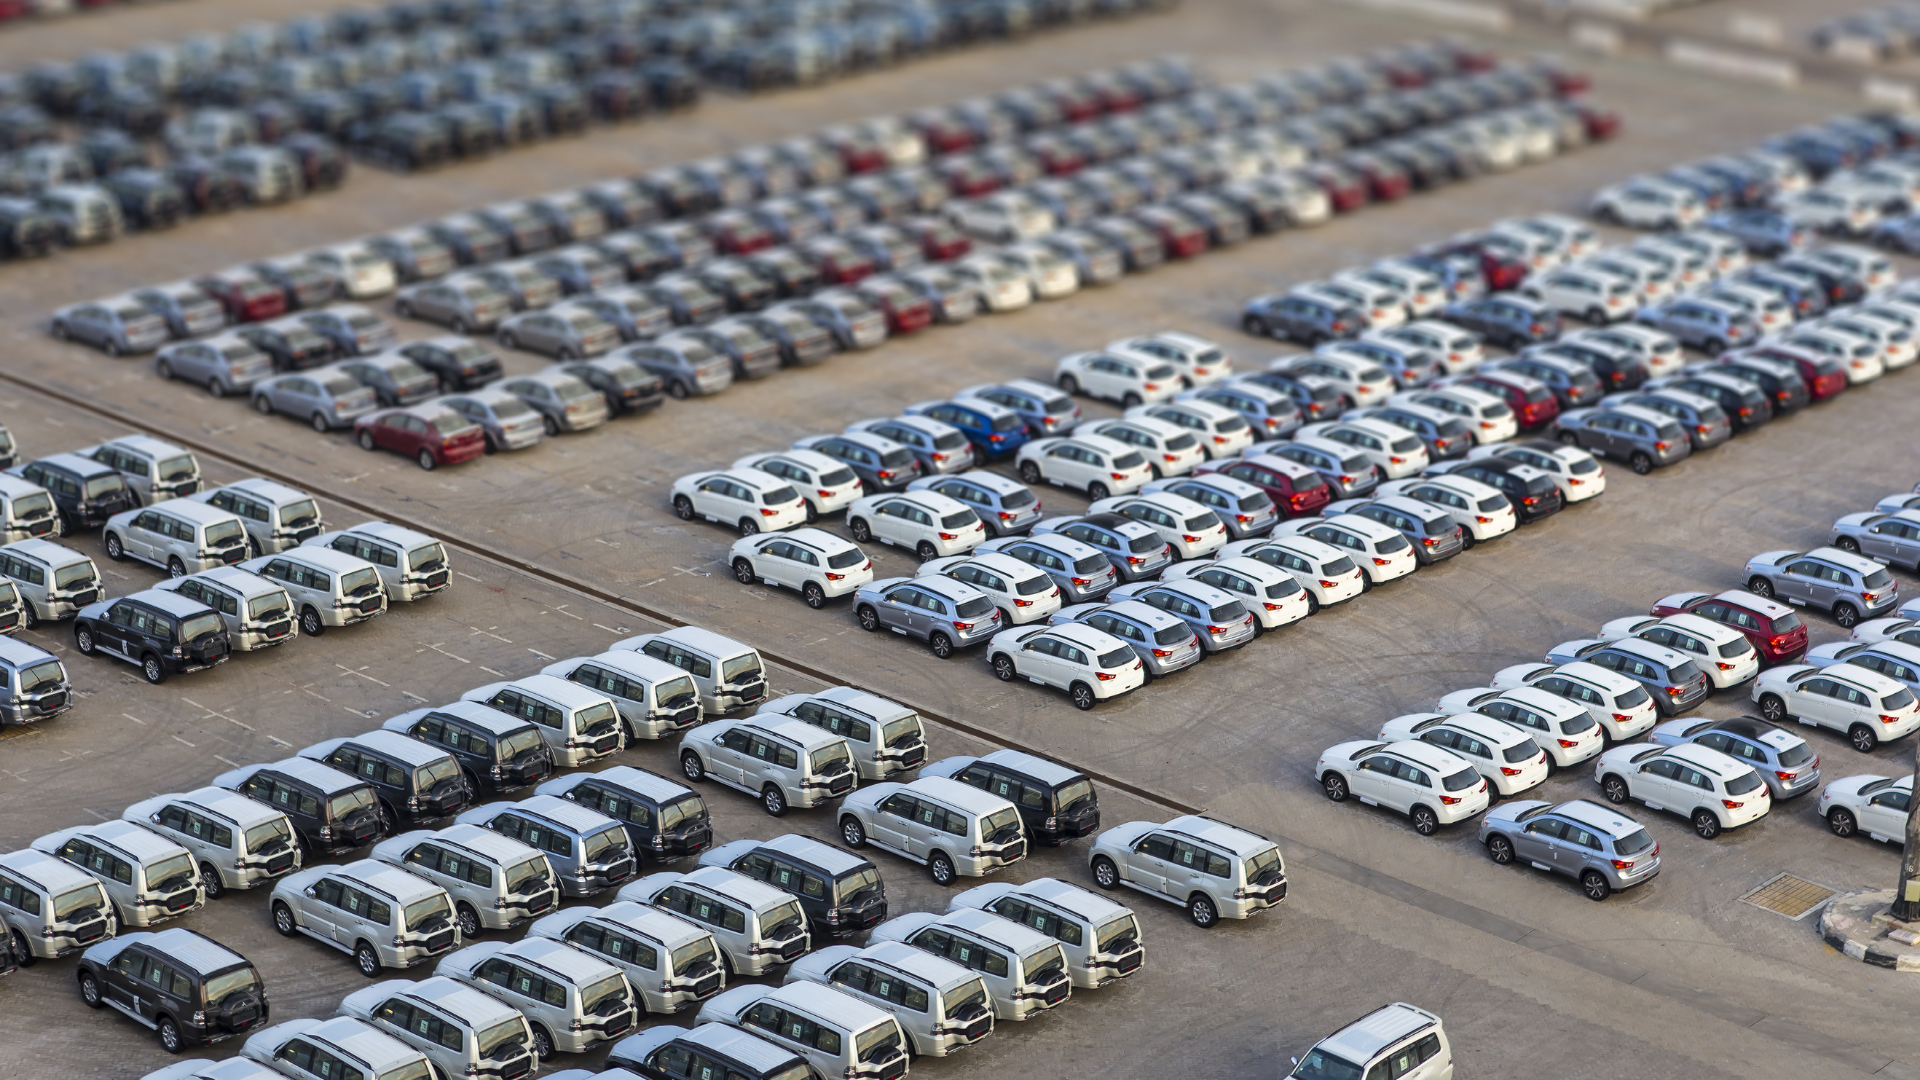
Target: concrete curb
(1847,924)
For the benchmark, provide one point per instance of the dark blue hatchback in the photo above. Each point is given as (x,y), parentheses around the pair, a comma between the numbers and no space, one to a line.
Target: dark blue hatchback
(994,430)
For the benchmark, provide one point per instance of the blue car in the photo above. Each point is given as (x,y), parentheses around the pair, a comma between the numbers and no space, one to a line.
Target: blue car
(1044,407)
(1783,759)
(995,430)
(1762,231)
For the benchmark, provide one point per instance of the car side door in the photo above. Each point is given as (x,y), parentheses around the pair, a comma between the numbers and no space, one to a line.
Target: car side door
(1151,861)
(1371,777)
(121,983)
(1801,580)
(891,820)
(1815,702)
(1038,661)
(1535,841)
(902,610)
(1885,816)
(729,754)
(320,910)
(1654,784)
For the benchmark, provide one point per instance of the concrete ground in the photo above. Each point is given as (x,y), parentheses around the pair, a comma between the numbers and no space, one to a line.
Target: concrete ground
(1677,979)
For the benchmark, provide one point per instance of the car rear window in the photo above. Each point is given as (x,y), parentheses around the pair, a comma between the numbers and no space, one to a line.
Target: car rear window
(1785,623)
(1540,485)
(1204,520)
(1009,422)
(1878,579)
(1437,526)
(1461,780)
(1538,394)
(1161,372)
(1231,611)
(1090,565)
(1737,647)
(1743,783)
(1633,843)
(974,608)
(1525,750)
(1172,635)
(780,496)
(959,519)
(1899,699)
(1116,658)
(1497,411)
(1683,672)
(1140,545)
(1255,502)
(1405,446)
(952,440)
(1309,482)
(836,477)
(1037,584)
(1129,460)
(1337,566)
(1391,544)
(1181,441)
(897,459)
(843,559)
(1017,499)
(1357,466)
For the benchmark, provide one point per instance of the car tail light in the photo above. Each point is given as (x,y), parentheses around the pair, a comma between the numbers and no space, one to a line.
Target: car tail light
(831,576)
(1786,775)
(1212,629)
(1745,411)
(1529,500)
(1189,539)
(1676,689)
(1623,864)
(1163,652)
(1887,719)
(767,511)
(1220,438)
(1536,328)
(1105,676)
(1338,327)
(1152,386)
(1449,800)
(1082,581)
(1022,603)
(996,438)
(1732,804)
(1378,561)
(1429,541)
(1344,478)
(963,625)
(1733,331)
(949,536)
(1569,743)
(1486,425)
(939,456)
(825,494)
(1622,717)
(885,474)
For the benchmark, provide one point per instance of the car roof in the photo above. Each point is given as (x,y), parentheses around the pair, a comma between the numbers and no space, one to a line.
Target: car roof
(362,1041)
(750,1050)
(47,871)
(651,785)
(565,813)
(1709,760)
(142,844)
(954,793)
(501,849)
(825,856)
(1045,770)
(475,1008)
(578,965)
(232,805)
(324,557)
(1018,937)
(395,534)
(391,880)
(1602,818)
(412,751)
(18,654)
(1374,1032)
(1648,650)
(189,949)
(1220,834)
(325,777)
(704,640)
(1772,609)
(757,895)
(663,926)
(1870,680)
(1119,523)
(947,587)
(85,466)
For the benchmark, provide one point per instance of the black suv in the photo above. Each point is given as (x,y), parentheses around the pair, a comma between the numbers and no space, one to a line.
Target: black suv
(459,363)
(190,989)
(1056,803)
(332,813)
(840,891)
(162,632)
(85,491)
(417,783)
(499,753)
(665,819)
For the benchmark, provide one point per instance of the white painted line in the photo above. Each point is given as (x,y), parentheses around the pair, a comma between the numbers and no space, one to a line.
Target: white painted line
(1468,12)
(282,742)
(540,654)
(466,575)
(237,723)
(490,671)
(562,609)
(360,671)
(135,719)
(95,813)
(413,696)
(181,741)
(449,655)
(226,761)
(607,628)
(1900,95)
(1732,64)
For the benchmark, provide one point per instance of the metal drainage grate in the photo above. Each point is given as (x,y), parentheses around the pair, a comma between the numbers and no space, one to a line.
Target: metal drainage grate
(1796,898)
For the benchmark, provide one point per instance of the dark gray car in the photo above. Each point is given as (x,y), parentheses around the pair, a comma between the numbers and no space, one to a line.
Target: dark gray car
(466,303)
(508,422)
(1641,438)
(687,366)
(188,312)
(565,331)
(633,311)
(354,330)
(1705,422)
(1135,550)
(325,398)
(394,379)
(946,614)
(563,402)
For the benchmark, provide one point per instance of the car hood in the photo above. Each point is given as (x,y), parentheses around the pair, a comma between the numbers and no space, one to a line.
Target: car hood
(1677,603)
(1616,629)
(1768,560)
(1568,651)
(1511,811)
(1507,678)
(1855,520)
(1461,701)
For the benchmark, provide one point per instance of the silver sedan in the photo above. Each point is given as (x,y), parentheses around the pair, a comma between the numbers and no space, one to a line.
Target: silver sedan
(565,332)
(508,422)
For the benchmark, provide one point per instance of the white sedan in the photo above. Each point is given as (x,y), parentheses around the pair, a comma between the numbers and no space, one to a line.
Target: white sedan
(1023,593)
(1274,596)
(1875,805)
(1577,473)
(1705,786)
(925,522)
(1722,652)
(747,499)
(1092,463)
(1432,786)
(1501,752)
(814,561)
(1090,665)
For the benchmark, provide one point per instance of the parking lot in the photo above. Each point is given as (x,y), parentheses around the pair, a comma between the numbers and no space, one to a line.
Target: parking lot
(564,548)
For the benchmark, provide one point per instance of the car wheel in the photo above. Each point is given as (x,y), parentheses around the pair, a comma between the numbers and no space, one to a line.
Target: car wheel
(176,568)
(1615,789)
(1105,874)
(1862,738)
(1129,400)
(1570,438)
(461,325)
(815,597)
(1255,325)
(111,347)
(743,571)
(1097,491)
(1030,472)
(365,438)
(1082,696)
(168,1033)
(115,550)
(1640,463)
(940,868)
(216,389)
(942,646)
(1760,587)
(262,406)
(683,508)
(862,532)
(868,618)
(1466,540)
(551,427)
(403,309)
(1595,316)
(283,920)
(508,341)
(1499,849)
(1773,708)
(1595,885)
(151,670)
(1425,822)
(1846,615)
(318,421)
(853,832)
(1200,909)
(773,801)
(1848,543)
(677,390)
(1069,384)
(542,1043)
(813,513)
(925,550)
(691,766)
(163,369)
(1335,786)
(90,990)
(1705,824)
(426,459)
(211,881)
(1841,821)
(1313,604)
(1003,668)
(748,526)
(310,623)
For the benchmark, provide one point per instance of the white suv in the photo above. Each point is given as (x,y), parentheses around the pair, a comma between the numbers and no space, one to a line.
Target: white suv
(748,499)
(1431,785)
(925,522)
(1092,463)
(815,562)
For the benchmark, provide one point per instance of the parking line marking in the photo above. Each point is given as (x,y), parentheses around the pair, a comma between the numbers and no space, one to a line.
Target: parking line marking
(466,575)
(414,696)
(607,628)
(228,761)
(562,609)
(135,719)
(361,671)
(540,654)
(282,742)
(96,813)
(449,655)
(181,741)
(490,671)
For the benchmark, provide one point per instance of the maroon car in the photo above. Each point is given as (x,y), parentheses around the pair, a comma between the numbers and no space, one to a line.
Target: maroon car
(247,297)
(1296,489)
(907,311)
(1776,632)
(430,434)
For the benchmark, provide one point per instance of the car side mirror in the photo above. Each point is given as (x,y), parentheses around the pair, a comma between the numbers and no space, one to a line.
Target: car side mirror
(313,890)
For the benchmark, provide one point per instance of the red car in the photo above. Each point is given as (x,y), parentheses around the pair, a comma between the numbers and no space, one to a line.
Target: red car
(1076,101)
(1345,189)
(860,151)
(944,131)
(1385,181)
(967,176)
(907,311)
(1057,156)
(1825,376)
(1181,235)
(1531,400)
(1115,95)
(430,434)
(1602,124)
(246,297)
(735,232)
(1296,490)
(939,240)
(1776,632)
(837,261)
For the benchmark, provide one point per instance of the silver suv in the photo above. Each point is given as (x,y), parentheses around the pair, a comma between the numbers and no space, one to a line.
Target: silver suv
(277,517)
(329,588)
(1211,868)
(36,683)
(655,698)
(411,563)
(885,736)
(951,827)
(180,536)
(382,916)
(155,470)
(1025,970)
(673,964)
(784,762)
(463,1031)
(50,907)
(54,580)
(573,1000)
(258,612)
(239,842)
(496,882)
(149,878)
(590,851)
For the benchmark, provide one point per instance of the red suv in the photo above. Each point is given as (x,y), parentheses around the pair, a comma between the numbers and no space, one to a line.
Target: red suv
(1531,400)
(1776,632)
(1296,489)
(1824,375)
(245,296)
(431,434)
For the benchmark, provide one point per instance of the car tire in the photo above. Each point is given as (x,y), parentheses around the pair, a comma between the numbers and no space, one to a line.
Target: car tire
(1595,886)
(1313,604)
(1842,822)
(176,568)
(683,508)
(813,513)
(151,670)
(115,549)
(508,341)
(1129,400)
(1082,696)
(460,325)
(1760,587)
(543,1040)
(1863,738)
(1069,384)
(216,389)
(403,309)
(1846,615)
(862,532)
(867,617)
(748,526)
(262,406)
(111,347)
(1425,821)
(552,427)
(1773,708)
(318,421)
(1201,912)
(163,369)
(814,596)
(1105,873)
(773,801)
(1595,316)
(926,550)
(743,572)
(677,390)
(30,618)
(1466,540)
(852,833)
(1848,543)
(1705,825)
(1097,491)
(1640,463)
(168,1033)
(310,623)
(1614,789)
(1030,473)
(211,880)
(426,460)
(1255,325)
(941,644)
(90,991)
(940,868)
(1003,668)
(1570,438)
(1335,786)
(692,767)
(1500,849)
(283,923)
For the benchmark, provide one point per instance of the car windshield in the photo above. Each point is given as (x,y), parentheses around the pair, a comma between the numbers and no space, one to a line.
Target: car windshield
(44,673)
(228,983)
(1116,658)
(199,627)
(686,808)
(429,913)
(1320,1065)
(269,836)
(1461,780)
(503,1038)
(512,746)
(81,903)
(101,487)
(1743,783)
(347,802)
(746,666)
